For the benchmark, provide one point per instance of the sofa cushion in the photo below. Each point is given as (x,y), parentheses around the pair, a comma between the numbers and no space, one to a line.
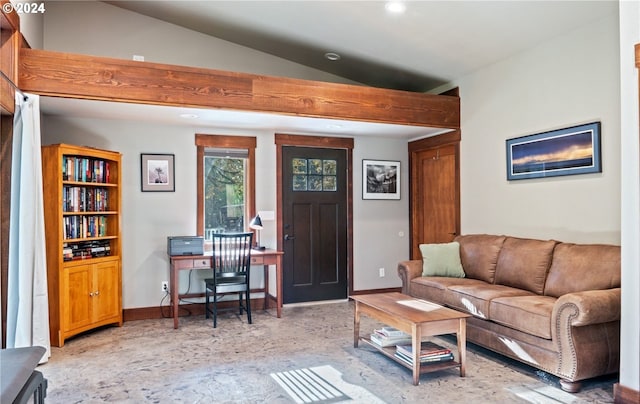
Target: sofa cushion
(576,268)
(530,314)
(475,298)
(441,259)
(433,288)
(479,255)
(523,263)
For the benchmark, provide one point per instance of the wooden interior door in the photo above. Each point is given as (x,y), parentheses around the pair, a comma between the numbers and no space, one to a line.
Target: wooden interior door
(435,193)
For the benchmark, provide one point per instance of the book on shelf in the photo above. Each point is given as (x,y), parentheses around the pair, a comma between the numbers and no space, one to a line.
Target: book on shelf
(436,359)
(429,352)
(391,332)
(384,341)
(86,250)
(84,169)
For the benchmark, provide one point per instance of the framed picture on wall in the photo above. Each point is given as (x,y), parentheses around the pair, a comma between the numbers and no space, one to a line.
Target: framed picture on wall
(380,179)
(568,151)
(157,172)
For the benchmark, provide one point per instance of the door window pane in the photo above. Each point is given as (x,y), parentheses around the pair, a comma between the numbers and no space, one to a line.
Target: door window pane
(315,175)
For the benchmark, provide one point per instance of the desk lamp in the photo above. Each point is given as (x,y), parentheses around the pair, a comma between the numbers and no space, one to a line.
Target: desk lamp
(256,224)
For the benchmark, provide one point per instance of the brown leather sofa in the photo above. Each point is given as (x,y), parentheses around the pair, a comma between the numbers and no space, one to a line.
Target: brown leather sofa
(552,305)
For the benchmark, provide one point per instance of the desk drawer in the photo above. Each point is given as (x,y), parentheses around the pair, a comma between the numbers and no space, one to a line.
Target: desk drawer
(257,260)
(202,263)
(192,263)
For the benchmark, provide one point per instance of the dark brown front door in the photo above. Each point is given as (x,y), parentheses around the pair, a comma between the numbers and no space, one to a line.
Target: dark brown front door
(314,221)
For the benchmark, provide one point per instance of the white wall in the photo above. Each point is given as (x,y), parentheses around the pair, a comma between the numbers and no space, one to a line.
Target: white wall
(148,217)
(630,198)
(381,228)
(570,80)
(103,30)
(32,28)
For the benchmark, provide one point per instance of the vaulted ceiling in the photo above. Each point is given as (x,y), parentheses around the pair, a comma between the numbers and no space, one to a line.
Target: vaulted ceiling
(429,44)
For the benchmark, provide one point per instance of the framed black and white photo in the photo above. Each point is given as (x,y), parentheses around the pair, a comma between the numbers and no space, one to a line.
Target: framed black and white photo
(380,179)
(568,151)
(157,172)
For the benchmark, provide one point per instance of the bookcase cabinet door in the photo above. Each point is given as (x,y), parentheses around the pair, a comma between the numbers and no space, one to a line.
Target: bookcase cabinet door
(76,302)
(106,299)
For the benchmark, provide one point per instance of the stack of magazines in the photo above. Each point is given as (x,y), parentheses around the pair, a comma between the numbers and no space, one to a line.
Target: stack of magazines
(389,336)
(430,353)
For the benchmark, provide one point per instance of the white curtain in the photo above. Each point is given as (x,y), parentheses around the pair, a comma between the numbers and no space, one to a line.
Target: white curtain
(27,300)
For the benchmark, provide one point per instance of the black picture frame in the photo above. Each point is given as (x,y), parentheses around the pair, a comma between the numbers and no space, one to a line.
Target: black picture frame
(380,179)
(568,151)
(157,172)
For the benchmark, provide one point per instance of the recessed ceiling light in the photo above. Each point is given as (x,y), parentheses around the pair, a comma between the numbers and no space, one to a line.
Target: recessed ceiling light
(396,7)
(332,56)
(188,116)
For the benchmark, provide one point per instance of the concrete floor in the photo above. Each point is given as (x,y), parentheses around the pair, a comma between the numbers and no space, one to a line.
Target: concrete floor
(307,354)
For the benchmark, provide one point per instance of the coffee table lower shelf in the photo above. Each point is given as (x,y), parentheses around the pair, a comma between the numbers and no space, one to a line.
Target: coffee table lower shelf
(389,352)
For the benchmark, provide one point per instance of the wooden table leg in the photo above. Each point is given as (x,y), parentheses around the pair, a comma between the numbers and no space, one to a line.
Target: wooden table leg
(279,285)
(416,346)
(174,295)
(356,325)
(462,345)
(266,286)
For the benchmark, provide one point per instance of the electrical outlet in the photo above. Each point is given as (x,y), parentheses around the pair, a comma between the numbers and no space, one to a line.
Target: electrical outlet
(165,286)
(381,272)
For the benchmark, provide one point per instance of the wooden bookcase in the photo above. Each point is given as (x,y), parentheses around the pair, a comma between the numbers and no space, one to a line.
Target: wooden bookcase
(82,203)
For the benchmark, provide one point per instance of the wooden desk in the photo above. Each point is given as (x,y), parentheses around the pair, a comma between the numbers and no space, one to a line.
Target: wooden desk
(258,257)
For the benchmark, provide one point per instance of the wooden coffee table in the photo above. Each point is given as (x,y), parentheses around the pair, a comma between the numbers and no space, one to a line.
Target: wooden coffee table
(416,317)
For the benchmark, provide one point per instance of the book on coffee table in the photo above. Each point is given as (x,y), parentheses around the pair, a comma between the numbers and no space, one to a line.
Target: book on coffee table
(429,352)
(380,338)
(439,358)
(391,332)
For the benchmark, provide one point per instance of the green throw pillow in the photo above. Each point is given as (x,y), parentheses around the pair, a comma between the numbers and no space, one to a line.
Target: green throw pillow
(442,260)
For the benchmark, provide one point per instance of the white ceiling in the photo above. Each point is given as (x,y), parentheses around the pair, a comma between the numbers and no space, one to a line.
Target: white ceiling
(432,43)
(216,118)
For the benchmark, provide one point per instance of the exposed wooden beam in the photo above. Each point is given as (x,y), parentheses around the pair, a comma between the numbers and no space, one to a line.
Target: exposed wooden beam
(9,44)
(99,78)
(9,19)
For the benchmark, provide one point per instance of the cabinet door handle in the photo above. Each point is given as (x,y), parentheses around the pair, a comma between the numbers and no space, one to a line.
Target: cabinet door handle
(91,294)
(97,292)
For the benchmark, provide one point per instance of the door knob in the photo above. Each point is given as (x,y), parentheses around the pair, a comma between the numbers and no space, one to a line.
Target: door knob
(288,237)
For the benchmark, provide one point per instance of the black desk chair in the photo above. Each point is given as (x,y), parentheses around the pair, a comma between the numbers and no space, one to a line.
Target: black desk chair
(231,264)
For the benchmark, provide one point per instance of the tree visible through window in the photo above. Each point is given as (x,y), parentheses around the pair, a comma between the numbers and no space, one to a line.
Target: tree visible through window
(224,193)
(226,183)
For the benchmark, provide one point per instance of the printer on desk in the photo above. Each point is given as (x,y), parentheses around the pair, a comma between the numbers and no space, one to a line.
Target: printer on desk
(185,245)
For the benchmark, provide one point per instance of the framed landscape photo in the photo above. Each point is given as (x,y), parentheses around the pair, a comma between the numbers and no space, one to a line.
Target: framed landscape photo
(380,179)
(573,150)
(157,172)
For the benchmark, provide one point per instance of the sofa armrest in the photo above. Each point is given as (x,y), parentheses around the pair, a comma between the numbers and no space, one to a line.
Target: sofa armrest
(586,334)
(407,270)
(589,307)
